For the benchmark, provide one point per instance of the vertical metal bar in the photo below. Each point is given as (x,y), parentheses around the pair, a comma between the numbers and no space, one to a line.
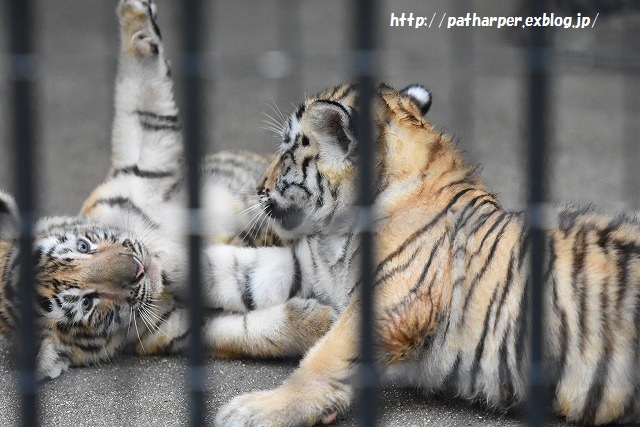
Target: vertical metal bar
(24,137)
(631,124)
(538,136)
(364,57)
(192,109)
(463,79)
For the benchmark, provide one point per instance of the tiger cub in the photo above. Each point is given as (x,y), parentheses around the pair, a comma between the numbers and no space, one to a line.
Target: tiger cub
(451,280)
(115,274)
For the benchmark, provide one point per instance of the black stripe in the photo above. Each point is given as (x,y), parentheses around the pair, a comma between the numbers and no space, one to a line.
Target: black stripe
(171,190)
(504,373)
(247,296)
(622,275)
(90,347)
(337,104)
(508,281)
(522,325)
(347,90)
(557,367)
(135,170)
(6,321)
(321,189)
(126,203)
(4,208)
(497,222)
(596,388)
(481,221)
(420,280)
(344,250)
(305,165)
(422,230)
(302,187)
(159,127)
(605,234)
(176,340)
(475,366)
(462,220)
(579,289)
(631,406)
(159,117)
(464,180)
(167,314)
(524,246)
(564,346)
(296,285)
(333,92)
(398,268)
(483,269)
(7,274)
(427,266)
(153,22)
(567,219)
(450,380)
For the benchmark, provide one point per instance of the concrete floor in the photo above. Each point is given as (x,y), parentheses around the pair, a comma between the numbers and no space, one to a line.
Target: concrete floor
(478,79)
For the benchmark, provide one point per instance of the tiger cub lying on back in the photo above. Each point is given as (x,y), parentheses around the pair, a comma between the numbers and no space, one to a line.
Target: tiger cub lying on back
(115,274)
(451,278)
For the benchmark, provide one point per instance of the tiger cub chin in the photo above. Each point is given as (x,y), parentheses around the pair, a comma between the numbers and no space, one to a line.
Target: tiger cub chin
(116,274)
(451,278)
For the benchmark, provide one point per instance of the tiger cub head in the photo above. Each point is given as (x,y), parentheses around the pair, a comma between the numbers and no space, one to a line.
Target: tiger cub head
(90,283)
(311,181)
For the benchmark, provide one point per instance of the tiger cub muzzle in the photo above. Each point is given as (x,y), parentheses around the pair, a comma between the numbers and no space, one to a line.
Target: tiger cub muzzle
(115,268)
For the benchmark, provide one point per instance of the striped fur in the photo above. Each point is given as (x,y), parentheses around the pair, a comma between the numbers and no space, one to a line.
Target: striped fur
(452,290)
(114,276)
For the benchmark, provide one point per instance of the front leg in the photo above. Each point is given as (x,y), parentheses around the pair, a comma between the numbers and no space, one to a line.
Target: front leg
(319,388)
(262,294)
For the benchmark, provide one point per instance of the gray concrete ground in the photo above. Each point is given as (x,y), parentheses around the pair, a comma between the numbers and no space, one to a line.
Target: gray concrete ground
(479,84)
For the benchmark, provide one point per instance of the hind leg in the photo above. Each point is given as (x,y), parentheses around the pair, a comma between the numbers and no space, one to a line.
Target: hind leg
(146,140)
(146,132)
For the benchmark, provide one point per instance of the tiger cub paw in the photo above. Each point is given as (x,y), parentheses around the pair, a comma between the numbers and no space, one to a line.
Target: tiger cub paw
(140,34)
(273,408)
(305,399)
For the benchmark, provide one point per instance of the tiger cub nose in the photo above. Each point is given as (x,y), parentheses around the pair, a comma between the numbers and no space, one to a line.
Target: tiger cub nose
(135,270)
(139,270)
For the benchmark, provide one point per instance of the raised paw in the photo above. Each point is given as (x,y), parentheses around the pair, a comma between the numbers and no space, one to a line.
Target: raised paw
(140,34)
(137,6)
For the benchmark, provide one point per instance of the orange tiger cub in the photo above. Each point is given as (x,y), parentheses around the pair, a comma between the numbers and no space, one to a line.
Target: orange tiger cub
(451,279)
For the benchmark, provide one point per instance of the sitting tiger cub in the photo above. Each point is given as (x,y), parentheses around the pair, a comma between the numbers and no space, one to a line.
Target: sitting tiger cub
(451,278)
(114,275)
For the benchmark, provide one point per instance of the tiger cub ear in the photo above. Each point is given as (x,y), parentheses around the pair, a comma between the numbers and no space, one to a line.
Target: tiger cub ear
(330,124)
(420,95)
(8,216)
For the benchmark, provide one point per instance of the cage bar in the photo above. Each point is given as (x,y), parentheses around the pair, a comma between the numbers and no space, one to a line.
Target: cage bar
(21,31)
(192,119)
(537,146)
(364,63)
